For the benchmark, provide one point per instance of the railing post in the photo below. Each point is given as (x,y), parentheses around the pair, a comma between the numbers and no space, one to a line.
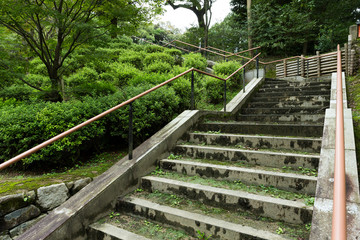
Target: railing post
(298,67)
(307,72)
(318,63)
(302,66)
(224,96)
(264,71)
(346,59)
(285,70)
(192,91)
(131,140)
(243,78)
(257,64)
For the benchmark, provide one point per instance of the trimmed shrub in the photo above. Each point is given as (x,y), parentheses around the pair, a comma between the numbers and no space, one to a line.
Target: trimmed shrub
(149,78)
(134,58)
(158,67)
(93,89)
(225,69)
(176,54)
(123,73)
(159,57)
(153,48)
(195,60)
(84,74)
(214,90)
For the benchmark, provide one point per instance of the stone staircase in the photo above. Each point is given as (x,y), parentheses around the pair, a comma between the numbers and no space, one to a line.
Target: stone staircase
(251,176)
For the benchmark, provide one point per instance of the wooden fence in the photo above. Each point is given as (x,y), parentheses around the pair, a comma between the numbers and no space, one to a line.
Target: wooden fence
(316,66)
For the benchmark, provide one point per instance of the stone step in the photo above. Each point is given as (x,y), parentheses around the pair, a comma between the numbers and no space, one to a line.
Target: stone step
(252,157)
(293,93)
(277,98)
(285,181)
(295,89)
(193,222)
(259,142)
(289,104)
(278,209)
(295,84)
(281,129)
(283,110)
(109,232)
(276,118)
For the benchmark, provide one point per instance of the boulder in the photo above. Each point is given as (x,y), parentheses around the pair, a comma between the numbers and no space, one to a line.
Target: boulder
(79,184)
(24,226)
(19,216)
(52,196)
(11,203)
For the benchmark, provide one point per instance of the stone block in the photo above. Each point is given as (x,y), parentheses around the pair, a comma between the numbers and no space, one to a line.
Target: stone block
(11,203)
(353,32)
(79,184)
(19,216)
(52,196)
(24,226)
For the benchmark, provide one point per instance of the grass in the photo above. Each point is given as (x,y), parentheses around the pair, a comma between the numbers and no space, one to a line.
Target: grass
(12,182)
(353,87)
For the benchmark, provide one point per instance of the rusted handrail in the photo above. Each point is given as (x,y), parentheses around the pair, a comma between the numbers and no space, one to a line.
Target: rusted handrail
(339,204)
(101,115)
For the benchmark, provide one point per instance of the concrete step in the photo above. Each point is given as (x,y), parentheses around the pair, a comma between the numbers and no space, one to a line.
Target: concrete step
(290,104)
(295,89)
(107,231)
(260,142)
(278,98)
(193,222)
(293,93)
(277,118)
(284,181)
(281,129)
(252,157)
(283,110)
(278,209)
(295,84)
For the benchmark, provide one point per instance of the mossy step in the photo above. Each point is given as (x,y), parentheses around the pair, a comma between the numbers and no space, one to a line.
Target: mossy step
(295,88)
(290,94)
(291,117)
(295,84)
(245,218)
(193,222)
(277,129)
(263,158)
(276,208)
(284,181)
(283,110)
(289,104)
(312,145)
(279,98)
(111,232)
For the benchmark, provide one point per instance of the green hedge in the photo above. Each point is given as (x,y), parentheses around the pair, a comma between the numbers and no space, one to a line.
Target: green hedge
(23,127)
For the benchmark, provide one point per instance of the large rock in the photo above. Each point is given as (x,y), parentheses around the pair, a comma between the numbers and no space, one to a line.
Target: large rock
(52,196)
(19,216)
(79,184)
(5,236)
(24,226)
(11,203)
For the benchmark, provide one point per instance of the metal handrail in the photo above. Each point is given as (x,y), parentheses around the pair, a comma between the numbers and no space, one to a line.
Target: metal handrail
(339,203)
(128,102)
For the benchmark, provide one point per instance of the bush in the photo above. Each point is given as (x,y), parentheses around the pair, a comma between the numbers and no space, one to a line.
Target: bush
(133,57)
(158,67)
(37,67)
(195,60)
(23,127)
(153,49)
(123,73)
(214,90)
(19,92)
(158,57)
(83,75)
(149,78)
(225,69)
(176,54)
(94,89)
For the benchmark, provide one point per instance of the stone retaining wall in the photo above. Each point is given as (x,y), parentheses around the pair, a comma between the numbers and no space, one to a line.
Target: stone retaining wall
(19,212)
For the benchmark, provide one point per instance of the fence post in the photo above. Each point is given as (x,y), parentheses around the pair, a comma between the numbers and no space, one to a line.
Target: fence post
(307,72)
(346,59)
(224,96)
(264,71)
(131,131)
(257,65)
(298,67)
(352,62)
(192,103)
(302,66)
(243,77)
(285,68)
(318,63)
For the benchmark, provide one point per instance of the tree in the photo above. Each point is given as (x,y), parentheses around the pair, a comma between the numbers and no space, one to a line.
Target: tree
(202,10)
(53,29)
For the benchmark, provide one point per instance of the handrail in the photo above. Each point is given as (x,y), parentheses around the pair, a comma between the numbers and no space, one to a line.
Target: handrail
(129,101)
(339,203)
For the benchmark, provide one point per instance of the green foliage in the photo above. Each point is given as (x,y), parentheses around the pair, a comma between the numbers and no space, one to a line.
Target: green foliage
(123,73)
(225,69)
(133,57)
(195,60)
(159,67)
(153,49)
(19,92)
(159,57)
(93,89)
(83,75)
(214,90)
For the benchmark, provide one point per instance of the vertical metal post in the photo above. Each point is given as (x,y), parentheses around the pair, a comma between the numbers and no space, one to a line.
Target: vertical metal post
(285,68)
(307,73)
(131,140)
(264,71)
(318,64)
(298,67)
(243,78)
(224,96)
(192,103)
(257,66)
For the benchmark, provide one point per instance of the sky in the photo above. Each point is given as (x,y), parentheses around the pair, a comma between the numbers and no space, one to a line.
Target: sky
(183,18)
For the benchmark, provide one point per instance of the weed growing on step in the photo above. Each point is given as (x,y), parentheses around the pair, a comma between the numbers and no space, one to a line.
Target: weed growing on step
(310,201)
(174,157)
(202,236)
(280,231)
(159,172)
(302,170)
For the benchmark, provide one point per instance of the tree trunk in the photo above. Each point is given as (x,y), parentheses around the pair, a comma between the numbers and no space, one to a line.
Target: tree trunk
(113,32)
(248,7)
(57,91)
(305,47)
